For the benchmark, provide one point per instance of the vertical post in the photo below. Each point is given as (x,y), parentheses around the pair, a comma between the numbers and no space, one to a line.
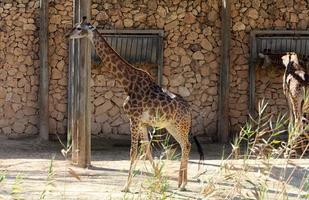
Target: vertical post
(44,73)
(252,75)
(79,91)
(160,57)
(223,114)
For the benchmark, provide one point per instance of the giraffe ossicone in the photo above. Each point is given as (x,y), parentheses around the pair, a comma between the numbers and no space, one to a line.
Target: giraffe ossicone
(147,103)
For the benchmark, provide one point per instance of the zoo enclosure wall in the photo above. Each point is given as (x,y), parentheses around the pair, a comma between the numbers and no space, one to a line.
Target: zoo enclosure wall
(191,59)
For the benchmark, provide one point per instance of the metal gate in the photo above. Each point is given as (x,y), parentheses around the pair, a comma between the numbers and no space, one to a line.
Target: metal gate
(277,42)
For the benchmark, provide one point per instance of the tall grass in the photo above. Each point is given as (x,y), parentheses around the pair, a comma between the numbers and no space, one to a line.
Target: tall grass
(157,186)
(49,184)
(2,176)
(261,144)
(17,188)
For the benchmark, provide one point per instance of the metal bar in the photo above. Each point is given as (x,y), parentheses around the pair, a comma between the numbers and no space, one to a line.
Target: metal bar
(75,63)
(126,48)
(301,46)
(113,42)
(223,118)
(131,49)
(252,77)
(160,60)
(142,50)
(306,48)
(121,49)
(138,50)
(44,72)
(116,45)
(70,93)
(146,49)
(281,32)
(277,45)
(124,31)
(151,50)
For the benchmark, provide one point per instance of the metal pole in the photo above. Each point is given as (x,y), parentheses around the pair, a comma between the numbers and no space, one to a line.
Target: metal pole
(160,59)
(44,74)
(252,76)
(223,114)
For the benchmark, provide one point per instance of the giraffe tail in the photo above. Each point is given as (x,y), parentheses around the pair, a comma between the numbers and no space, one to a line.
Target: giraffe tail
(199,150)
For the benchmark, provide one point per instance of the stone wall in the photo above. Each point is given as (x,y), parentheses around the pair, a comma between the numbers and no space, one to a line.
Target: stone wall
(60,14)
(191,59)
(19,64)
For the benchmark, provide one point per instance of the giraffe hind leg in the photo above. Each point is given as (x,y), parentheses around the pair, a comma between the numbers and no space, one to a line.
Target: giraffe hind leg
(181,136)
(147,146)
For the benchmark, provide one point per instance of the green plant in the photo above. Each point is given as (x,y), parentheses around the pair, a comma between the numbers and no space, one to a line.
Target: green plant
(306,187)
(2,176)
(17,188)
(156,187)
(49,180)
(259,145)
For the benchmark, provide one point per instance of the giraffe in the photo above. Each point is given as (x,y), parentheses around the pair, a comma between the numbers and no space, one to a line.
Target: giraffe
(147,103)
(295,82)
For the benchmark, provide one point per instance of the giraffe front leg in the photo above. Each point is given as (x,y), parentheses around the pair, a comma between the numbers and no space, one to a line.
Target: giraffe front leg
(291,112)
(133,154)
(297,110)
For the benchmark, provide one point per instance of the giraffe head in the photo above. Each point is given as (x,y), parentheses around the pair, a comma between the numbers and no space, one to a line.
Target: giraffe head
(290,57)
(82,30)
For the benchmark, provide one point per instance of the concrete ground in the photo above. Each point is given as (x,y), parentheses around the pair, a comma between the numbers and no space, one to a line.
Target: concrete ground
(26,162)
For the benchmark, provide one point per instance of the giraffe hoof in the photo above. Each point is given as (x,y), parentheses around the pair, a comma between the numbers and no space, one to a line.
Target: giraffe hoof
(182,189)
(125,189)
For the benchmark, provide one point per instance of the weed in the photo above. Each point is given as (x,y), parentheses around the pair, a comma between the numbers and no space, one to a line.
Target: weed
(17,187)
(306,187)
(253,175)
(2,176)
(49,180)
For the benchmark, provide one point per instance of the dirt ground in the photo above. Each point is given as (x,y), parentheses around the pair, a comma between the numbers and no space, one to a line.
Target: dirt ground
(29,161)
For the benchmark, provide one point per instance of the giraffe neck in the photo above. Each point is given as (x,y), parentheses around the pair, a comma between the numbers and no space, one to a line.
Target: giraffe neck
(113,62)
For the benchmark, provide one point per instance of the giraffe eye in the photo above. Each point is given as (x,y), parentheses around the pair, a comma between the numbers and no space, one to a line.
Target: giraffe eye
(79,29)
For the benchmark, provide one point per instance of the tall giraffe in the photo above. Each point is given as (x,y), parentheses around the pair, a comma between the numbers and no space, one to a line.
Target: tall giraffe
(295,84)
(147,103)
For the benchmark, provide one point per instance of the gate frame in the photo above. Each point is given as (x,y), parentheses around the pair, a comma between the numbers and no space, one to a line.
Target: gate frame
(253,58)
